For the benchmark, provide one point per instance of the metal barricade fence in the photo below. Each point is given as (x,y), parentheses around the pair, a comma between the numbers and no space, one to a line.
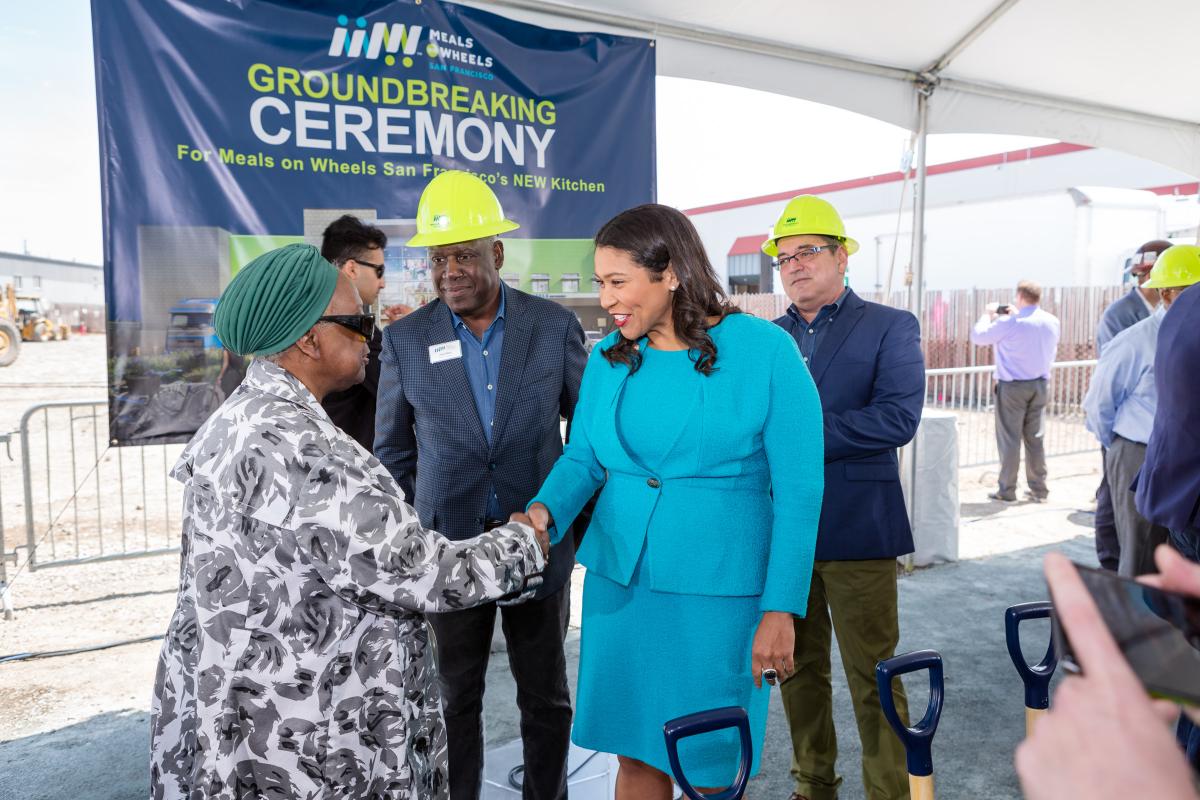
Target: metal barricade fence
(83,501)
(969,392)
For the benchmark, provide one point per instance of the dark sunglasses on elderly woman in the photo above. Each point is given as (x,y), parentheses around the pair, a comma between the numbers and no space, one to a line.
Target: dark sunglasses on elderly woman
(362,324)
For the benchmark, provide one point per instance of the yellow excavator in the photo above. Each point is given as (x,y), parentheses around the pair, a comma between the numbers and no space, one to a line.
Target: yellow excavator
(22,318)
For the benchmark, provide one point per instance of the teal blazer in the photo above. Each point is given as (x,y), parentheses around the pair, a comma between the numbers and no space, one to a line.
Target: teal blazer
(733,509)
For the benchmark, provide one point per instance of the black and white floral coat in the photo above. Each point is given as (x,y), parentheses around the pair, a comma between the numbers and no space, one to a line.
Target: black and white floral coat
(297,663)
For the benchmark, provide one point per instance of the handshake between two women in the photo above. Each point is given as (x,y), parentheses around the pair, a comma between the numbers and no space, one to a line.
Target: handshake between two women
(537,518)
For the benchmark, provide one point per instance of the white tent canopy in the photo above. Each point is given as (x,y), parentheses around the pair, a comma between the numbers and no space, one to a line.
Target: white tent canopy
(1105,73)
(1101,72)
(1098,72)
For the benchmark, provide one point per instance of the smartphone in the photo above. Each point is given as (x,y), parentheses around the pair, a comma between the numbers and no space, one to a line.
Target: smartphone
(1003,309)
(1158,632)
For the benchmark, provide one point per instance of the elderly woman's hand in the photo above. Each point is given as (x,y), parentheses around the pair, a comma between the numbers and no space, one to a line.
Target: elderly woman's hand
(543,539)
(540,521)
(774,646)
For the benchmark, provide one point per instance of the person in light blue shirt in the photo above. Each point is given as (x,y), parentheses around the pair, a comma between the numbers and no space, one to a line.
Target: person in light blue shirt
(481,360)
(1026,340)
(1120,406)
(1129,310)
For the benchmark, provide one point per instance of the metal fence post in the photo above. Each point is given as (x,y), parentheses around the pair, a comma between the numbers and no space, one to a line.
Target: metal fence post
(5,591)
(27,476)
(67,463)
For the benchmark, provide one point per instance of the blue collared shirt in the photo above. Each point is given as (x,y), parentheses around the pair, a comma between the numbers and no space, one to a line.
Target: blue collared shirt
(808,335)
(1025,342)
(481,358)
(1121,399)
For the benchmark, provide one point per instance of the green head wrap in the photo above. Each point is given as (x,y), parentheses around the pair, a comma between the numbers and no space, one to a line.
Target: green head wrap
(274,300)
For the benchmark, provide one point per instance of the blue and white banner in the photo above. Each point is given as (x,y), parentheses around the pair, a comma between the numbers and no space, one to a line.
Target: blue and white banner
(231,126)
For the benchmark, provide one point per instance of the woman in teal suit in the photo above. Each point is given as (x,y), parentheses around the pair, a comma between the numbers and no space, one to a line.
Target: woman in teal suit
(703,427)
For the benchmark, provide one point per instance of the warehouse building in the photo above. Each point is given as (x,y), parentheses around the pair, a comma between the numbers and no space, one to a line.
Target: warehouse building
(1064,213)
(70,292)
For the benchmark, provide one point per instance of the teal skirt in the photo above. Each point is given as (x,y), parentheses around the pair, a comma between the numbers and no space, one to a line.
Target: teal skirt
(647,657)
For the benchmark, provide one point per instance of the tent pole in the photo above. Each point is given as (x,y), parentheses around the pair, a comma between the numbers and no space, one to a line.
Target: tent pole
(918,241)
(917,296)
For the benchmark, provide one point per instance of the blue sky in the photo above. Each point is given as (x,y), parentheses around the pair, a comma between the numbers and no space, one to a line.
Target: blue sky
(49,152)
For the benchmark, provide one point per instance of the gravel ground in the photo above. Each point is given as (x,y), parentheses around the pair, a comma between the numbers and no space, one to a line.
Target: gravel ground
(48,372)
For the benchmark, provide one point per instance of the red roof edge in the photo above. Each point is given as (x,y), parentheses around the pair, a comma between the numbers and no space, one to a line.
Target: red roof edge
(747,245)
(996,159)
(1176,188)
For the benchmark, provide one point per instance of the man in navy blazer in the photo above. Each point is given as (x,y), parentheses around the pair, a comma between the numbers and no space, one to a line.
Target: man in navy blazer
(471,393)
(1168,486)
(870,373)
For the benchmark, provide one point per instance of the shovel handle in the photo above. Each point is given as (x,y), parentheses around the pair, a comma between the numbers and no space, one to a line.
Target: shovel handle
(918,739)
(1035,676)
(920,787)
(705,722)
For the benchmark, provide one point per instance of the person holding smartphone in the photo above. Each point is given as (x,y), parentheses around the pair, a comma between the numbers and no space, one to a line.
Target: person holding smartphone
(1026,342)
(1130,749)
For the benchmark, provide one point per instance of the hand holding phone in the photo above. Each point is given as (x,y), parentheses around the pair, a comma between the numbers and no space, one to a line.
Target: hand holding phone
(1157,632)
(1003,309)
(1103,738)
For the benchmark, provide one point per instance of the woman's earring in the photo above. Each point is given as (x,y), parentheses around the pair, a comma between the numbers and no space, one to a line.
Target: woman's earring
(674,286)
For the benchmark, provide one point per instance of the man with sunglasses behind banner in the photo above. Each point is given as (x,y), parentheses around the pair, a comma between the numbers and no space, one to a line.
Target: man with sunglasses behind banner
(866,361)
(297,663)
(356,249)
(471,393)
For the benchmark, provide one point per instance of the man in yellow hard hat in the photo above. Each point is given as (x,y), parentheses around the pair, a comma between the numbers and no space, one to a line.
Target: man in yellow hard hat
(471,391)
(1121,405)
(867,363)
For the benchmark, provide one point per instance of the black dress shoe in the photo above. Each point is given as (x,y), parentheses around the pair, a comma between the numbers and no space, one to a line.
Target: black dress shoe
(1006,498)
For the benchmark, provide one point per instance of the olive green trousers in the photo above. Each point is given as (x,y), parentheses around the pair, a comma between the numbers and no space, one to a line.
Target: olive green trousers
(856,601)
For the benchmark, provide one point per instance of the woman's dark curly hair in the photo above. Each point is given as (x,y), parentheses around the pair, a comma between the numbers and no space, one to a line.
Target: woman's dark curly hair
(657,237)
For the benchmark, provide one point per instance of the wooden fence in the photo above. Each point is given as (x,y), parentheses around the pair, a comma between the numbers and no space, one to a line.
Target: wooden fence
(948,317)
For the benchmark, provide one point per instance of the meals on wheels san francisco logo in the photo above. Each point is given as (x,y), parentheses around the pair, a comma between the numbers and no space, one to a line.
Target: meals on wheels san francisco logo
(397,41)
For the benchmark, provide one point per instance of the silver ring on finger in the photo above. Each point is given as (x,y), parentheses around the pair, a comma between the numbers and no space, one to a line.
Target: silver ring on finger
(770,675)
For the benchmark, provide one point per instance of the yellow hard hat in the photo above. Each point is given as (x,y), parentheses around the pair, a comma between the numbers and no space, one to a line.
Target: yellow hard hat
(1178,265)
(456,207)
(808,214)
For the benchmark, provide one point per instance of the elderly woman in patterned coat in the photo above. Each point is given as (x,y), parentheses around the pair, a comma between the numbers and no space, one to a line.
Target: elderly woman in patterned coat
(297,662)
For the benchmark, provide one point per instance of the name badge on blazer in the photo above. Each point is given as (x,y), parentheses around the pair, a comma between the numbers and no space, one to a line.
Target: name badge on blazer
(445,351)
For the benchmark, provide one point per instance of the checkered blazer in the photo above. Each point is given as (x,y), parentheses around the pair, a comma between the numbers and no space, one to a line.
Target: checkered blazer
(428,434)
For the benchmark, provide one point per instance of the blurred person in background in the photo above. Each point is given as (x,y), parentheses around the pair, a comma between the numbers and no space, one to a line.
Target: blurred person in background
(1121,405)
(356,249)
(1026,341)
(1133,307)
